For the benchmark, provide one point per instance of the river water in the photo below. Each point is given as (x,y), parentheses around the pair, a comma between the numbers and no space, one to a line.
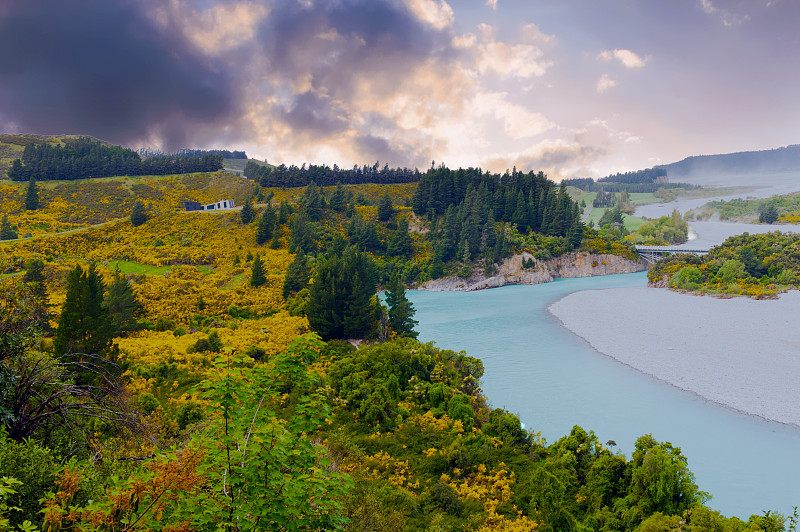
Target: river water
(553,380)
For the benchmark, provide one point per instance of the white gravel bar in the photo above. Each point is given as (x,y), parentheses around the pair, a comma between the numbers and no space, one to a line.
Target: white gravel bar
(741,353)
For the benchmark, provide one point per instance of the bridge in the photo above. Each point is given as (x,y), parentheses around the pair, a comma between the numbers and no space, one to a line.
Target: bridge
(652,254)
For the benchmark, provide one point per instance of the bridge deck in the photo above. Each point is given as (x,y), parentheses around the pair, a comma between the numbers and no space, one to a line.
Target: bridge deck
(651,254)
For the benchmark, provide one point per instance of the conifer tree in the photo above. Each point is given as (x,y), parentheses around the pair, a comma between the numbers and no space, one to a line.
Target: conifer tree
(276,240)
(34,273)
(341,300)
(121,304)
(401,311)
(6,231)
(266,226)
(32,196)
(257,277)
(247,213)
(400,242)
(339,198)
(284,210)
(298,274)
(385,208)
(138,214)
(84,325)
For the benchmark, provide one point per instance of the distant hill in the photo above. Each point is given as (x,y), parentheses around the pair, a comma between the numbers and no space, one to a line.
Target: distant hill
(783,159)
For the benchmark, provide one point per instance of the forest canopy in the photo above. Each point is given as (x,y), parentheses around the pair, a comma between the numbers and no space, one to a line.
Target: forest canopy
(85,157)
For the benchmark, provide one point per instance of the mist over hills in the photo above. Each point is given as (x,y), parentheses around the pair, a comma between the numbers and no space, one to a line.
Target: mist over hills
(784,159)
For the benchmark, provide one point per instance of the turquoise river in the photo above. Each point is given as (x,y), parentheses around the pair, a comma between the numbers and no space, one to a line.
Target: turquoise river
(553,380)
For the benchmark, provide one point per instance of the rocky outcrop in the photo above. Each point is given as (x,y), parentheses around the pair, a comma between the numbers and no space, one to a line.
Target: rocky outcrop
(661,283)
(525,269)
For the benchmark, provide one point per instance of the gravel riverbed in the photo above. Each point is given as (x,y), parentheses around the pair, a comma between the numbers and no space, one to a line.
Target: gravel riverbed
(741,353)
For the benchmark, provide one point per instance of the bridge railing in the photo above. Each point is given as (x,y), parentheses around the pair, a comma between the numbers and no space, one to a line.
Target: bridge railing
(652,254)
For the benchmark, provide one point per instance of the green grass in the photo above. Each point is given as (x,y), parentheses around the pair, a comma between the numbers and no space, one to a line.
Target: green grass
(126,266)
(632,223)
(205,270)
(239,164)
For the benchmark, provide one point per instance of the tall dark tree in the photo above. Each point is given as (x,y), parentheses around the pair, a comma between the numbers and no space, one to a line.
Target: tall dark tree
(34,273)
(247,213)
(84,325)
(32,196)
(138,214)
(400,243)
(401,311)
(298,274)
(339,198)
(769,214)
(303,233)
(266,225)
(121,304)
(6,231)
(341,301)
(385,208)
(257,276)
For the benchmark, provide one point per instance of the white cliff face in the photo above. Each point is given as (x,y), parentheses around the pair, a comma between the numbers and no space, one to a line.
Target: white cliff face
(513,270)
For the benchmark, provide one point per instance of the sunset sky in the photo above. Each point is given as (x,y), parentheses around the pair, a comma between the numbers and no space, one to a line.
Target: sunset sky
(576,88)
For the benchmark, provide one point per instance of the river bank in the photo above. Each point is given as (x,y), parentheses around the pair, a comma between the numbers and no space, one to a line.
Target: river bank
(741,353)
(524,269)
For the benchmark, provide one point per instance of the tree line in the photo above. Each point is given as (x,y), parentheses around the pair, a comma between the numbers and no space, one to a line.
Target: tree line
(85,157)
(226,154)
(649,175)
(464,207)
(324,175)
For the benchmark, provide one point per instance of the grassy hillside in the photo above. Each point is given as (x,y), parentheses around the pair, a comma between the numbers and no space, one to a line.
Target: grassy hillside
(229,411)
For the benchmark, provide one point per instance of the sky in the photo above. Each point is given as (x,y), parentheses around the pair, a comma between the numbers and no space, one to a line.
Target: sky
(575,88)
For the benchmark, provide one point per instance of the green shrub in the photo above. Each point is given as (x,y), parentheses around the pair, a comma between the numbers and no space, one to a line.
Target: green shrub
(148,402)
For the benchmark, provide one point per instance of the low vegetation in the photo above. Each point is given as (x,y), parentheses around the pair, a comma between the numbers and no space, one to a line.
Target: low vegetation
(172,392)
(758,266)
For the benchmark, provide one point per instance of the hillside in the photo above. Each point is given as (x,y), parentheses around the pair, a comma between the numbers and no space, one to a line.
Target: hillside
(784,159)
(218,406)
(12,146)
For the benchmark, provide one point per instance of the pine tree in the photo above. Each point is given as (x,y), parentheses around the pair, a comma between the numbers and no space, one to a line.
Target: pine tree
(121,304)
(34,273)
(401,311)
(84,325)
(247,213)
(341,300)
(284,210)
(297,276)
(339,198)
(266,226)
(257,277)
(385,208)
(32,196)
(6,231)
(138,214)
(400,242)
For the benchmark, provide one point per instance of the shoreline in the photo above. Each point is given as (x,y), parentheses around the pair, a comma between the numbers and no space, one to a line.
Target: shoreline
(524,269)
(681,340)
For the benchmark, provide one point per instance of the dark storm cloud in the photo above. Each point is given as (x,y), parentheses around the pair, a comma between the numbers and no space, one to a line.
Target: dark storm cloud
(314,115)
(336,41)
(333,48)
(104,68)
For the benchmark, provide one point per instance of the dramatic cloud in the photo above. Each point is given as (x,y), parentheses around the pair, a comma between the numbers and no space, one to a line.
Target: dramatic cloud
(492,4)
(518,122)
(626,57)
(558,158)
(509,60)
(104,68)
